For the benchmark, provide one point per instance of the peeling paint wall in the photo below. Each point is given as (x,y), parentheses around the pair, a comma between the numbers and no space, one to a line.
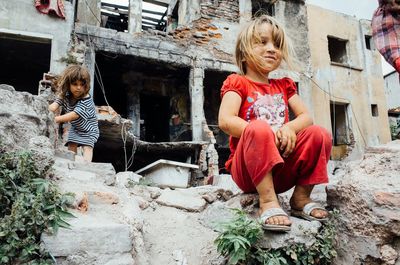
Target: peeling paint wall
(358,82)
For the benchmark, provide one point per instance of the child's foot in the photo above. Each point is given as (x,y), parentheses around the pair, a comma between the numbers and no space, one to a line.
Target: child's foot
(280,219)
(313,210)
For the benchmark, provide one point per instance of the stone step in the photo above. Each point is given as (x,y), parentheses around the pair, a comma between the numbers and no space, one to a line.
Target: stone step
(93,235)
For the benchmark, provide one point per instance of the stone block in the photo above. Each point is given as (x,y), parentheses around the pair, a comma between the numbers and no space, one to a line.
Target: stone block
(105,171)
(89,234)
(123,178)
(182,200)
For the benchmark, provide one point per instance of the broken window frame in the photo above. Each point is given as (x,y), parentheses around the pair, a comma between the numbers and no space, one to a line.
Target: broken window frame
(342,59)
(340,134)
(264,8)
(150,19)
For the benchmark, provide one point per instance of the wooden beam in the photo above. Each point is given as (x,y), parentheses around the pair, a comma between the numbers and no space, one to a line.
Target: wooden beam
(152,12)
(110,9)
(114,6)
(164,3)
(147,27)
(152,23)
(110,15)
(151,19)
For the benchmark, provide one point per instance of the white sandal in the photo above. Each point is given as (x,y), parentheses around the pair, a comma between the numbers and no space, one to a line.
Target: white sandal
(306,212)
(271,213)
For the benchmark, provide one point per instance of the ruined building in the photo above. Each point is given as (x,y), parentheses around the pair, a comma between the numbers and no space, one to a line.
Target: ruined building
(161,63)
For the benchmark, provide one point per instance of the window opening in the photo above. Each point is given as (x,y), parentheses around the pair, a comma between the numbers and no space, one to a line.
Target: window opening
(374,110)
(337,50)
(24,60)
(262,7)
(339,122)
(115,16)
(368,42)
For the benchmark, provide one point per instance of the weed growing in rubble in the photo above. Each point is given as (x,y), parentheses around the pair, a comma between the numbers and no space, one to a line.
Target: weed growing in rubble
(29,205)
(239,239)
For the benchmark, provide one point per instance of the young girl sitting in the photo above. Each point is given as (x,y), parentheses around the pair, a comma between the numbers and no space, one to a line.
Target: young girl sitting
(74,98)
(269,153)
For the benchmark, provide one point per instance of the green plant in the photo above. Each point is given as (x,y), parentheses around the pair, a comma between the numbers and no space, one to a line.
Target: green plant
(239,243)
(29,205)
(238,237)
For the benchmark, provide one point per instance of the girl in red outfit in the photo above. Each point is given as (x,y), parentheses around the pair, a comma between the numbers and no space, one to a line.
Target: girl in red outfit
(269,153)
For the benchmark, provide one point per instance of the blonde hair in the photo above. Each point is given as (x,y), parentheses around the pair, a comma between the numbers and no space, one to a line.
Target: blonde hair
(70,75)
(250,35)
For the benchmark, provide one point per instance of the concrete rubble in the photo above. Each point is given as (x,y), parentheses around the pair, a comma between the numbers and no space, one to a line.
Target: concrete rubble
(368,198)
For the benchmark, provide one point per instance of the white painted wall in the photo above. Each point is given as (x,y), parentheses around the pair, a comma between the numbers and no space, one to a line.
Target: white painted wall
(20,17)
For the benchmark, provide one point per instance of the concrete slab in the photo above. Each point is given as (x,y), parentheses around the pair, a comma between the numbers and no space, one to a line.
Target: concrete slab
(167,173)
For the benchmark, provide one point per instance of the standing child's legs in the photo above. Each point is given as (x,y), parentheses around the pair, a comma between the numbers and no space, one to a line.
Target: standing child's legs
(73,147)
(87,153)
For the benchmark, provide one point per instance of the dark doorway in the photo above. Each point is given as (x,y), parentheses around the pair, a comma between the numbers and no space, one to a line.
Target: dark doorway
(213,81)
(155,113)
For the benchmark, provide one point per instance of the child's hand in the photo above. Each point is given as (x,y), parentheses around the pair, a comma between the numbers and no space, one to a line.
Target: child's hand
(286,140)
(57,119)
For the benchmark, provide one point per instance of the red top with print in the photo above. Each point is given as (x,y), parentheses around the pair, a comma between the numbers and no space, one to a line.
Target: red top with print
(260,101)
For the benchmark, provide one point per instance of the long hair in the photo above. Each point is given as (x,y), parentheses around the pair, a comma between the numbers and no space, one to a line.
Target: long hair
(70,75)
(250,35)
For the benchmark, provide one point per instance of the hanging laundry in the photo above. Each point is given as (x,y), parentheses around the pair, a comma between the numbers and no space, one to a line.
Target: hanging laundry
(51,7)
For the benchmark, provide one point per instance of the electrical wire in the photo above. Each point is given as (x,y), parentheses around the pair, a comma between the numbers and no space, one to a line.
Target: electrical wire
(340,98)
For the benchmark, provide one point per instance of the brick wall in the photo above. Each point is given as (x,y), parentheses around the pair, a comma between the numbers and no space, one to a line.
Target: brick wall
(227,9)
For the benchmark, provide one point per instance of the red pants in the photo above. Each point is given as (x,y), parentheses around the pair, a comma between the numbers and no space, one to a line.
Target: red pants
(257,154)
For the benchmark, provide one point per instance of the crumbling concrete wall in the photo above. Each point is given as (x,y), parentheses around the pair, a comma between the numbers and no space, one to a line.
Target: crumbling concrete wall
(357,82)
(20,18)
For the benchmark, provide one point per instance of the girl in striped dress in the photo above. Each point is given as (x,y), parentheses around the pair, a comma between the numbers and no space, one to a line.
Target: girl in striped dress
(79,108)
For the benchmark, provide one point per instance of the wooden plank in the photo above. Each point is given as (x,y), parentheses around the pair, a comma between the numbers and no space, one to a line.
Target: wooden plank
(147,27)
(110,15)
(114,6)
(164,3)
(151,23)
(110,9)
(152,12)
(151,19)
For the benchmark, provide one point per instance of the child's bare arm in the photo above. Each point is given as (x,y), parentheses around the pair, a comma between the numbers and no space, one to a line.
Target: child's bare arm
(228,118)
(303,118)
(53,107)
(70,116)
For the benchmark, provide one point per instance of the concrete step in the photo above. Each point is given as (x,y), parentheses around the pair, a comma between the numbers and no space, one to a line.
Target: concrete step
(94,235)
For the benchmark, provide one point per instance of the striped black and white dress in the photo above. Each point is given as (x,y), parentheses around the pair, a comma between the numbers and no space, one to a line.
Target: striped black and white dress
(85,129)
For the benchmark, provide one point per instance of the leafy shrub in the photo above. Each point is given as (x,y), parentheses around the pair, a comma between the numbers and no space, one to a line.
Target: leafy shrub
(238,237)
(238,242)
(29,205)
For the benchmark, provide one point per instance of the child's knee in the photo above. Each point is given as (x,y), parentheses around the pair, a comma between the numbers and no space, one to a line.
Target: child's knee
(259,128)
(319,135)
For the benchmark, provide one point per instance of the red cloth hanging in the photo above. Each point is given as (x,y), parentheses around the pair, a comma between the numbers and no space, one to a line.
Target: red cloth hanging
(51,7)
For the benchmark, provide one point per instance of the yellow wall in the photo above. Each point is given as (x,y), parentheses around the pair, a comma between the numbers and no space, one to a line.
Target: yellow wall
(359,82)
